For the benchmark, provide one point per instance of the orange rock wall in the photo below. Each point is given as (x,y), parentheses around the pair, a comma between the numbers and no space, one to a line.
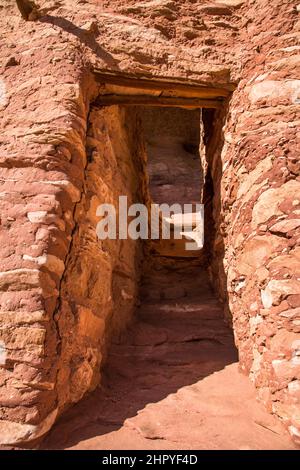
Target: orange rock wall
(46,87)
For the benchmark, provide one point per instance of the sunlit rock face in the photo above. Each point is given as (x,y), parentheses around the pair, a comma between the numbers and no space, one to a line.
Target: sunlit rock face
(62,293)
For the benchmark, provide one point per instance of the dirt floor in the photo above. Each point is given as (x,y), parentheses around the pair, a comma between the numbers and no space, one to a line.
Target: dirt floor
(172,381)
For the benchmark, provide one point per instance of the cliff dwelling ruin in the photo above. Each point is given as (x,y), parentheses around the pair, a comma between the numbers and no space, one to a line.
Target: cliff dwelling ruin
(114,343)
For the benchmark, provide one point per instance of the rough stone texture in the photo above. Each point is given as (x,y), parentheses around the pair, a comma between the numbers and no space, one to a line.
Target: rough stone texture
(194,399)
(98,289)
(46,88)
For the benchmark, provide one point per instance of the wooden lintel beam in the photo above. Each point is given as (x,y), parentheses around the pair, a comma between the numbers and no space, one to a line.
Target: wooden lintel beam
(162,101)
(163,85)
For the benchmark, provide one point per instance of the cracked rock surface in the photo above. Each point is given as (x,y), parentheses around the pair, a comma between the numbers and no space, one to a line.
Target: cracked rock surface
(172,381)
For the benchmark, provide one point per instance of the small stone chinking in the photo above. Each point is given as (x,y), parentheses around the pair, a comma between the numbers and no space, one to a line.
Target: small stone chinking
(54,339)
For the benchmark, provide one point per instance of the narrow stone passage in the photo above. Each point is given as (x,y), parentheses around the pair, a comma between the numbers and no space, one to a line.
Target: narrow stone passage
(171,381)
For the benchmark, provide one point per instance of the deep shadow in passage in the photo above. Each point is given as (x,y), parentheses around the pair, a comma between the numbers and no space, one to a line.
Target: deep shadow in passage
(178,335)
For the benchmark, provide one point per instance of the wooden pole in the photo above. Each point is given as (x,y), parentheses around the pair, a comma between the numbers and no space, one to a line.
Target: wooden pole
(162,101)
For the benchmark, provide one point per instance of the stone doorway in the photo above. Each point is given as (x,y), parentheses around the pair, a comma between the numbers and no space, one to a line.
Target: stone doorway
(178,345)
(177,335)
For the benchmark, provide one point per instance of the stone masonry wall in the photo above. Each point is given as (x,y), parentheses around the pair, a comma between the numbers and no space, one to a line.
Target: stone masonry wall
(257,188)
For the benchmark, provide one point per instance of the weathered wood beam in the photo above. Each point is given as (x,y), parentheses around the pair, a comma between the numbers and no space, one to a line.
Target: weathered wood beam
(163,85)
(162,101)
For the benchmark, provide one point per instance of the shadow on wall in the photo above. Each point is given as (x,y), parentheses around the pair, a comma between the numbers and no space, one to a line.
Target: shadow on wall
(86,36)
